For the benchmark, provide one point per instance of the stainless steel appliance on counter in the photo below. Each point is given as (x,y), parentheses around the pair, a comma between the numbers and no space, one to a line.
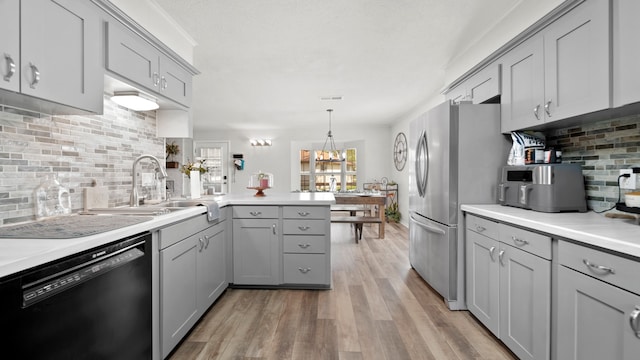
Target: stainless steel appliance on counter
(456,152)
(546,188)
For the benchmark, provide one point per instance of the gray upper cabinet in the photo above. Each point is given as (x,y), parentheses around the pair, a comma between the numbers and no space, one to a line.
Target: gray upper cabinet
(59,59)
(135,59)
(561,72)
(482,86)
(9,45)
(626,52)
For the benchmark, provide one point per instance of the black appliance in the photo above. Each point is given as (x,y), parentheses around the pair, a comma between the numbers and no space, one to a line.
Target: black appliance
(92,305)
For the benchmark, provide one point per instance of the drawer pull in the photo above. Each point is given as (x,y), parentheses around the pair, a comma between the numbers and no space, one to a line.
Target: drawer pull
(304,213)
(36,76)
(535,112)
(500,256)
(492,251)
(518,241)
(255,213)
(599,267)
(273,227)
(304,228)
(634,321)
(201,244)
(305,270)
(304,246)
(480,228)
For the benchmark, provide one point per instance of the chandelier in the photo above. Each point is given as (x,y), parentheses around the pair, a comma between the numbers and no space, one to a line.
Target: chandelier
(333,153)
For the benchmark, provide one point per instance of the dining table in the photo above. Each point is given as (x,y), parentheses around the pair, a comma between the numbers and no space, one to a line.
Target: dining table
(366,199)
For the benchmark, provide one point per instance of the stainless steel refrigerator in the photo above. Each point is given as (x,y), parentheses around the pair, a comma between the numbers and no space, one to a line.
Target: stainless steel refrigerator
(455,155)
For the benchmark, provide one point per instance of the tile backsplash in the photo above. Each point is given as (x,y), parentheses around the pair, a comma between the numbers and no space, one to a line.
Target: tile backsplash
(78,148)
(602,149)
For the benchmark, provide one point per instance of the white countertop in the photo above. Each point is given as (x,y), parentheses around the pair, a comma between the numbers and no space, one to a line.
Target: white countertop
(620,235)
(21,254)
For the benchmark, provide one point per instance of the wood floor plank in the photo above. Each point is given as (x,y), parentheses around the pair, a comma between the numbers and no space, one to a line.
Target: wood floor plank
(378,308)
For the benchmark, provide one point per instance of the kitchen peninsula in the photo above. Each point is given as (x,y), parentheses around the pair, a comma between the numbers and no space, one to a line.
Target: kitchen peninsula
(280,240)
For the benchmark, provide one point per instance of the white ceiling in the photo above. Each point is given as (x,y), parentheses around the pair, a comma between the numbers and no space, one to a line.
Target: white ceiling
(267,63)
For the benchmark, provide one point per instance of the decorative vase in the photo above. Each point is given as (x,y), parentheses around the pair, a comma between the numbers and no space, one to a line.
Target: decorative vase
(172,164)
(194,181)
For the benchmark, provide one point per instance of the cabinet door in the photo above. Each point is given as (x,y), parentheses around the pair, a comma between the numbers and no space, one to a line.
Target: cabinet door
(593,319)
(485,85)
(525,303)
(60,59)
(131,57)
(10,45)
(577,62)
(178,291)
(523,86)
(256,252)
(626,52)
(175,82)
(211,265)
(483,279)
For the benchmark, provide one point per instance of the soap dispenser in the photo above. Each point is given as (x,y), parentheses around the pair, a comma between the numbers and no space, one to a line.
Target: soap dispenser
(52,199)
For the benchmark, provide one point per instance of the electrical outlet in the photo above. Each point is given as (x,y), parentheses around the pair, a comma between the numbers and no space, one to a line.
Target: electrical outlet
(628,182)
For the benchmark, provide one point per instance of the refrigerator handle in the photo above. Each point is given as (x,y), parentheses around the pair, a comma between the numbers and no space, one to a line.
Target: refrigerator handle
(426,227)
(421,176)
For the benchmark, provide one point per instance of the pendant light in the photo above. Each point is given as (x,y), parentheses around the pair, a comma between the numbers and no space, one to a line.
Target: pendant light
(334,153)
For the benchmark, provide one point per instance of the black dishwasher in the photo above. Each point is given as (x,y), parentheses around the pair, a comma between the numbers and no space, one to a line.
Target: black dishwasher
(92,305)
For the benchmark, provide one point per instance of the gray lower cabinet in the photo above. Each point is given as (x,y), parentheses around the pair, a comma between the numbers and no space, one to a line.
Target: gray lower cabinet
(256,245)
(509,284)
(192,276)
(282,246)
(598,305)
(306,244)
(59,56)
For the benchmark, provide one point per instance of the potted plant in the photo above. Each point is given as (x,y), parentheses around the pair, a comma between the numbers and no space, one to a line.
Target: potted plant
(172,150)
(392,213)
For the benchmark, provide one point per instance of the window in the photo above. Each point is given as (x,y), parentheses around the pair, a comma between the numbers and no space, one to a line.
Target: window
(319,175)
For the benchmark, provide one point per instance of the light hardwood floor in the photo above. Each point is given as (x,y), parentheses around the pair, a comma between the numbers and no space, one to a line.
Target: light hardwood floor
(379,308)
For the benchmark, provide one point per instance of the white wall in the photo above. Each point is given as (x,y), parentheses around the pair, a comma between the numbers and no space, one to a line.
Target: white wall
(280,159)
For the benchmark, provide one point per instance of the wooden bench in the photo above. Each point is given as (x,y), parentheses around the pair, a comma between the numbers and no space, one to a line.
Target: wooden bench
(352,209)
(357,221)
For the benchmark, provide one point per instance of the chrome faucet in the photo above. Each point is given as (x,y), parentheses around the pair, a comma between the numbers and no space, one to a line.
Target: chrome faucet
(134,190)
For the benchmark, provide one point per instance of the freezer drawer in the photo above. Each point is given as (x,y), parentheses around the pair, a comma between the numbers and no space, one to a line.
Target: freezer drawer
(433,254)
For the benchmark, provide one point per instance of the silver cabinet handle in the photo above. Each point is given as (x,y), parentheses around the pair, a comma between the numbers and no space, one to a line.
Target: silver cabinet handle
(206,241)
(492,253)
(304,246)
(163,82)
(273,227)
(156,79)
(634,321)
(547,108)
(255,213)
(36,76)
(598,267)
(500,256)
(304,213)
(535,111)
(519,242)
(201,244)
(11,67)
(480,228)
(304,228)
(304,270)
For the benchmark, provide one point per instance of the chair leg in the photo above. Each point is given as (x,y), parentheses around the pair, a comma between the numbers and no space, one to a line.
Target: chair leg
(358,227)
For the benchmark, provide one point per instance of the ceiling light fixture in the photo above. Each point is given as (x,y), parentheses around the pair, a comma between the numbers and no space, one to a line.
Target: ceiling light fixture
(134,100)
(260,142)
(332,154)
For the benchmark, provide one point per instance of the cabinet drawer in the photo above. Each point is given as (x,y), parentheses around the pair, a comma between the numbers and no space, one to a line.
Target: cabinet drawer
(528,241)
(305,269)
(255,212)
(305,212)
(315,244)
(613,269)
(304,227)
(482,226)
